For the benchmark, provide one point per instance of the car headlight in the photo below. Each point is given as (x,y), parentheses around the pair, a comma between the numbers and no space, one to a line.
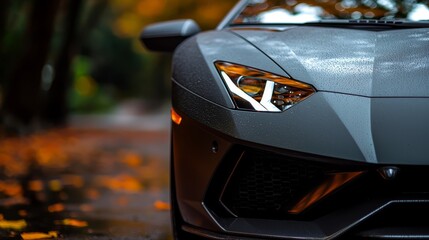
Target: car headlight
(253,89)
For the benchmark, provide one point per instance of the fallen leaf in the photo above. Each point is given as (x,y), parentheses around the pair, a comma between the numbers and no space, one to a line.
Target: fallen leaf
(55,185)
(73,180)
(86,208)
(39,235)
(123,183)
(131,159)
(13,224)
(63,196)
(73,222)
(14,201)
(35,185)
(22,213)
(162,206)
(53,234)
(92,194)
(58,207)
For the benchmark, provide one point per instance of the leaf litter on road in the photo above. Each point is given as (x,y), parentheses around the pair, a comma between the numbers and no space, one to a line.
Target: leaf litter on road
(75,182)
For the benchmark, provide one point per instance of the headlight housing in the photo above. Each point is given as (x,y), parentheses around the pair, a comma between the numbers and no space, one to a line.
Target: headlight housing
(254,89)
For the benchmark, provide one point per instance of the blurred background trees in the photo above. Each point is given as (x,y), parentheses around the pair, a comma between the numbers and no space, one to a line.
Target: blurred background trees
(76,56)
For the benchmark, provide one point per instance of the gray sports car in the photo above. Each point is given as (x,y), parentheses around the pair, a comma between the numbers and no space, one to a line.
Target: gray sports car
(301,119)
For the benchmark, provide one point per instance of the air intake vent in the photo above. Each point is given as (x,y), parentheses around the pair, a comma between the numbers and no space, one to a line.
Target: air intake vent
(268,185)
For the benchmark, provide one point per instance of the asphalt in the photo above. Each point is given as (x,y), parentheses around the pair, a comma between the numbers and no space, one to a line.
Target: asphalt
(102,177)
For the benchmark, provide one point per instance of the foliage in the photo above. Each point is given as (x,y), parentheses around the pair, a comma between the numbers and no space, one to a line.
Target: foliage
(86,95)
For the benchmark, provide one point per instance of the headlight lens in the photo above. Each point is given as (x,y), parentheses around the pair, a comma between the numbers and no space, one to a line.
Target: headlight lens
(258,90)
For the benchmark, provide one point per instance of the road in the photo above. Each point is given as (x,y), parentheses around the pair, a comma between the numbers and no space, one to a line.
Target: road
(100,178)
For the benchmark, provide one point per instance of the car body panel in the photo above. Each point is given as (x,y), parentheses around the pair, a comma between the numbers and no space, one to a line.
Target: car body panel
(390,63)
(280,130)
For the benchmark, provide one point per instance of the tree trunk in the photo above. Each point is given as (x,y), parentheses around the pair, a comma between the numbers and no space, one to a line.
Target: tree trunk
(56,105)
(4,6)
(23,96)
(56,111)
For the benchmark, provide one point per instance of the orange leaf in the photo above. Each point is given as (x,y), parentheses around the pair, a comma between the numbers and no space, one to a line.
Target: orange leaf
(39,235)
(86,208)
(73,180)
(124,183)
(132,159)
(58,207)
(162,206)
(35,185)
(73,222)
(22,213)
(92,193)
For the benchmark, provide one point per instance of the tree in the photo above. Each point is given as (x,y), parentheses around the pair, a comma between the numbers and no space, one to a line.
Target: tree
(56,109)
(23,95)
(56,105)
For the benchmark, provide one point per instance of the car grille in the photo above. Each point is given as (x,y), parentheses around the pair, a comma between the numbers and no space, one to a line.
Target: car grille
(266,185)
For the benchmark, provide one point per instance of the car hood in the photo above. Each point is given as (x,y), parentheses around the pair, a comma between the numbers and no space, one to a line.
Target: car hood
(392,63)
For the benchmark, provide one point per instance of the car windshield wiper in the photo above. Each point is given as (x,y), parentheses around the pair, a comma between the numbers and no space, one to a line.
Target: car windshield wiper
(370,23)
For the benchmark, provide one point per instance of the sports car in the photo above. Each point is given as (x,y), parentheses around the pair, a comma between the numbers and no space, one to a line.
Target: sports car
(300,119)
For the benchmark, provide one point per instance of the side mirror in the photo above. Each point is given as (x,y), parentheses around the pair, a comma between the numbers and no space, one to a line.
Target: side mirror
(166,36)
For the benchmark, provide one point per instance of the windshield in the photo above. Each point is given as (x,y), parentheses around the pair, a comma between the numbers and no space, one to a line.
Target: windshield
(302,11)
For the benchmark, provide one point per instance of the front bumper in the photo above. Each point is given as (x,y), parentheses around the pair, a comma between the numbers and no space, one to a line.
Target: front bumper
(222,156)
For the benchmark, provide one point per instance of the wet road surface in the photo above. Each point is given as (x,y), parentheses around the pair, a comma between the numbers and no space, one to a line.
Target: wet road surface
(85,183)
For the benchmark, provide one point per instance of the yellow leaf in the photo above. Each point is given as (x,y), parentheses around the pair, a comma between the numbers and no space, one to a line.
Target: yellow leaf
(13,224)
(55,185)
(39,235)
(162,206)
(53,234)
